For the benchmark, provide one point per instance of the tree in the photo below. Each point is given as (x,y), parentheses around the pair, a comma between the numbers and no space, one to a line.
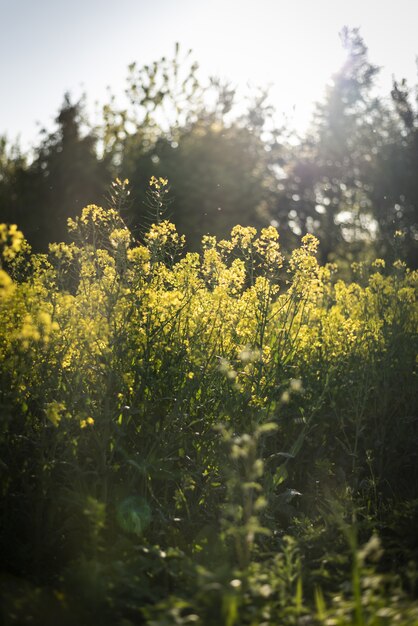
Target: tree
(395,182)
(68,172)
(13,182)
(219,176)
(326,189)
(64,175)
(219,164)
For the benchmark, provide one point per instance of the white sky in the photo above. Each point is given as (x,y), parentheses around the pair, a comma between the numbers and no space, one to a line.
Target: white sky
(48,47)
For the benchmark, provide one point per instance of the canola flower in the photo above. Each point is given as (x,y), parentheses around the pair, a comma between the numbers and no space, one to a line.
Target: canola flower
(160,346)
(11,241)
(225,302)
(158,183)
(89,421)
(238,304)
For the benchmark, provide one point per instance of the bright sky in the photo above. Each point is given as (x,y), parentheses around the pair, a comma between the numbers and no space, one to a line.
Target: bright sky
(48,47)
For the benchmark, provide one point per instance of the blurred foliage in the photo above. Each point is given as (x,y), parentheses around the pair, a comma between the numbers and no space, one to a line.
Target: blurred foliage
(63,176)
(350,179)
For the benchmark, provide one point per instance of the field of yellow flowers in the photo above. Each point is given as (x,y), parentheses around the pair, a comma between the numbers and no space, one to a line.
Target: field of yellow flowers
(217,438)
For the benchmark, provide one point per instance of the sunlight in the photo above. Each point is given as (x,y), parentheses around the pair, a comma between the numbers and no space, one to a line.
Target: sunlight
(208,305)
(292,57)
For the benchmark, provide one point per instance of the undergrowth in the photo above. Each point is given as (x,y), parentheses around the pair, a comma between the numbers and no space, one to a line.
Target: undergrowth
(222,438)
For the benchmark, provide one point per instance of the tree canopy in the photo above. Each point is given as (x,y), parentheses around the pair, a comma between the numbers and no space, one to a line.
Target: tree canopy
(350,179)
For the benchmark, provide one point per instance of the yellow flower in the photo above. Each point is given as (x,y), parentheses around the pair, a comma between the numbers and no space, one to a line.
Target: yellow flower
(6,284)
(11,241)
(89,421)
(378,263)
(53,412)
(120,238)
(399,265)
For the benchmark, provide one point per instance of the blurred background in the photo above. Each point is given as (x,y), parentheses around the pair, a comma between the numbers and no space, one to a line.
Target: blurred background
(302,115)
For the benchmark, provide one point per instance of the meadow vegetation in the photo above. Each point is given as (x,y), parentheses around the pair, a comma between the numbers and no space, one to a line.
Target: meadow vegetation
(221,437)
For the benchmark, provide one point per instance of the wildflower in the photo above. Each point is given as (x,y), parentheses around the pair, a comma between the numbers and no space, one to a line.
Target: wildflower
(399,265)
(157,183)
(120,238)
(89,421)
(6,284)
(285,397)
(163,233)
(53,411)
(296,385)
(242,236)
(11,241)
(379,263)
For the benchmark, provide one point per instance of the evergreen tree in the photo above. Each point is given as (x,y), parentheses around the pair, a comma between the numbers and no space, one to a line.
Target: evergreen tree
(326,190)
(395,181)
(69,174)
